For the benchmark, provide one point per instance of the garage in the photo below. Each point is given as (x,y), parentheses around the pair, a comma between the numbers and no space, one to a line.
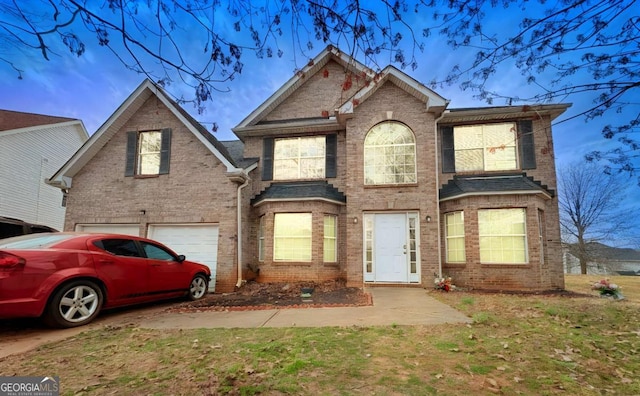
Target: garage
(126,229)
(198,242)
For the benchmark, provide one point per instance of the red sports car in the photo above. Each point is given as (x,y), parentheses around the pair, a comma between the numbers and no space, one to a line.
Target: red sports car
(67,278)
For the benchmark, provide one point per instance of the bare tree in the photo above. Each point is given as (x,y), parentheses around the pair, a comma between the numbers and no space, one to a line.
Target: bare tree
(589,202)
(565,50)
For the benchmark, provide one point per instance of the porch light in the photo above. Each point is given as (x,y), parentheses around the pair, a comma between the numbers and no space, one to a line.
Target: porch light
(428,219)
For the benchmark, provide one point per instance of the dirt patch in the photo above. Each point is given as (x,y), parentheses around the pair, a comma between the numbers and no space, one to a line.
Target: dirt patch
(254,295)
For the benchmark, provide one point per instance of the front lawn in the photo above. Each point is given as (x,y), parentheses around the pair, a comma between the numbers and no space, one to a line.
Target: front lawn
(518,344)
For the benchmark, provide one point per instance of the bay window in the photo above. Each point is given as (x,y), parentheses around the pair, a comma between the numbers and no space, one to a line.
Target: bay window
(454,237)
(292,237)
(503,236)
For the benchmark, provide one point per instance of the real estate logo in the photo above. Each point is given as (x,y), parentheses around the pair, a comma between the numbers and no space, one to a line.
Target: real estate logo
(29,386)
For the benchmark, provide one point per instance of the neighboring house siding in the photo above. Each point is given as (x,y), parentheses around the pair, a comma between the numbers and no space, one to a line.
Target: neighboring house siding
(29,156)
(195,190)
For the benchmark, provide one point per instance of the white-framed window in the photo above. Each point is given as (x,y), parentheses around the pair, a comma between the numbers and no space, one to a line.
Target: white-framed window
(149,145)
(261,239)
(299,158)
(454,237)
(292,237)
(503,236)
(488,147)
(390,154)
(330,245)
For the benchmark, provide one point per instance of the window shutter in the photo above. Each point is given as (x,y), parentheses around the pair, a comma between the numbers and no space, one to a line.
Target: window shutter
(165,151)
(448,152)
(330,156)
(526,146)
(132,141)
(267,159)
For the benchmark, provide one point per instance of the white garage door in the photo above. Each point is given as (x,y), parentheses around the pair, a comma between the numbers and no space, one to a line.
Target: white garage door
(198,242)
(127,229)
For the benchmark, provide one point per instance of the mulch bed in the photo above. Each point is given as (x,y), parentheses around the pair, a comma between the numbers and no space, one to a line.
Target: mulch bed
(259,296)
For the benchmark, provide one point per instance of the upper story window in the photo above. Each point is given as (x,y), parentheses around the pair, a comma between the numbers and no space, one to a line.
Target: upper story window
(389,155)
(148,152)
(299,158)
(502,146)
(311,157)
(490,147)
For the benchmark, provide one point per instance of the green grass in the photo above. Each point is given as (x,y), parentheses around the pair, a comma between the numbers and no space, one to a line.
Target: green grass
(517,344)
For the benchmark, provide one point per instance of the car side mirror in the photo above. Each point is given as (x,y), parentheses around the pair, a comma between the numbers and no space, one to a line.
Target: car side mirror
(181,258)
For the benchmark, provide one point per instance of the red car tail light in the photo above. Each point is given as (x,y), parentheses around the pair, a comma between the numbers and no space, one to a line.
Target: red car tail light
(10,262)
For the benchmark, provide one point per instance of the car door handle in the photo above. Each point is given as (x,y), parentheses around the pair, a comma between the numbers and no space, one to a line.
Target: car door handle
(105,261)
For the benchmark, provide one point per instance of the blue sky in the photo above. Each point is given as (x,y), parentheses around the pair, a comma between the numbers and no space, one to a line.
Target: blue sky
(92,86)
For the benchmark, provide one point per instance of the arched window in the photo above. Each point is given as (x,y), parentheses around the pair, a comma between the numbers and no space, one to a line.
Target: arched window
(389,155)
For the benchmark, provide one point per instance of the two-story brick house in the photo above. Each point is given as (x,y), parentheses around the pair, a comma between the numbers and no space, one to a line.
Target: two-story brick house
(341,173)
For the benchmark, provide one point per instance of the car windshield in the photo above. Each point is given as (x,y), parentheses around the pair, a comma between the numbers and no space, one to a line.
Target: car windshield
(33,241)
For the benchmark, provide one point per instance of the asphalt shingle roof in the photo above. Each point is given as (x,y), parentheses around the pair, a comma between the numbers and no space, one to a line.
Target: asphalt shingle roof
(10,120)
(235,148)
(300,190)
(462,185)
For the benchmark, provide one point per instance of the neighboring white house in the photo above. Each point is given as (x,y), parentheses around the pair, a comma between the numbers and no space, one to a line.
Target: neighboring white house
(32,148)
(605,260)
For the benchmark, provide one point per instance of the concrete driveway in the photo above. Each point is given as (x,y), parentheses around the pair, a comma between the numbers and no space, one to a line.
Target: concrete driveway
(391,306)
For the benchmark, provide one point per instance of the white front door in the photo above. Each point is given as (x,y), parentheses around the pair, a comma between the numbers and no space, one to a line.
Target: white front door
(391,247)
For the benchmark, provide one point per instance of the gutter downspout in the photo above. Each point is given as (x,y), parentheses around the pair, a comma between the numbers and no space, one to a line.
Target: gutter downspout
(438,195)
(239,244)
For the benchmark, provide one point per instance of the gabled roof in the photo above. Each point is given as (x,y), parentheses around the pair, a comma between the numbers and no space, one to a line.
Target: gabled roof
(10,120)
(433,101)
(463,186)
(299,78)
(253,122)
(300,191)
(127,109)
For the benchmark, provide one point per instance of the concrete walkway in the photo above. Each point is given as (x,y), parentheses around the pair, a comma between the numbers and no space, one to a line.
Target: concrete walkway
(399,306)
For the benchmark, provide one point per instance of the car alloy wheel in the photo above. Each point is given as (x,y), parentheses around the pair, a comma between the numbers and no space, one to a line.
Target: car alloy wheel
(75,304)
(78,304)
(198,288)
